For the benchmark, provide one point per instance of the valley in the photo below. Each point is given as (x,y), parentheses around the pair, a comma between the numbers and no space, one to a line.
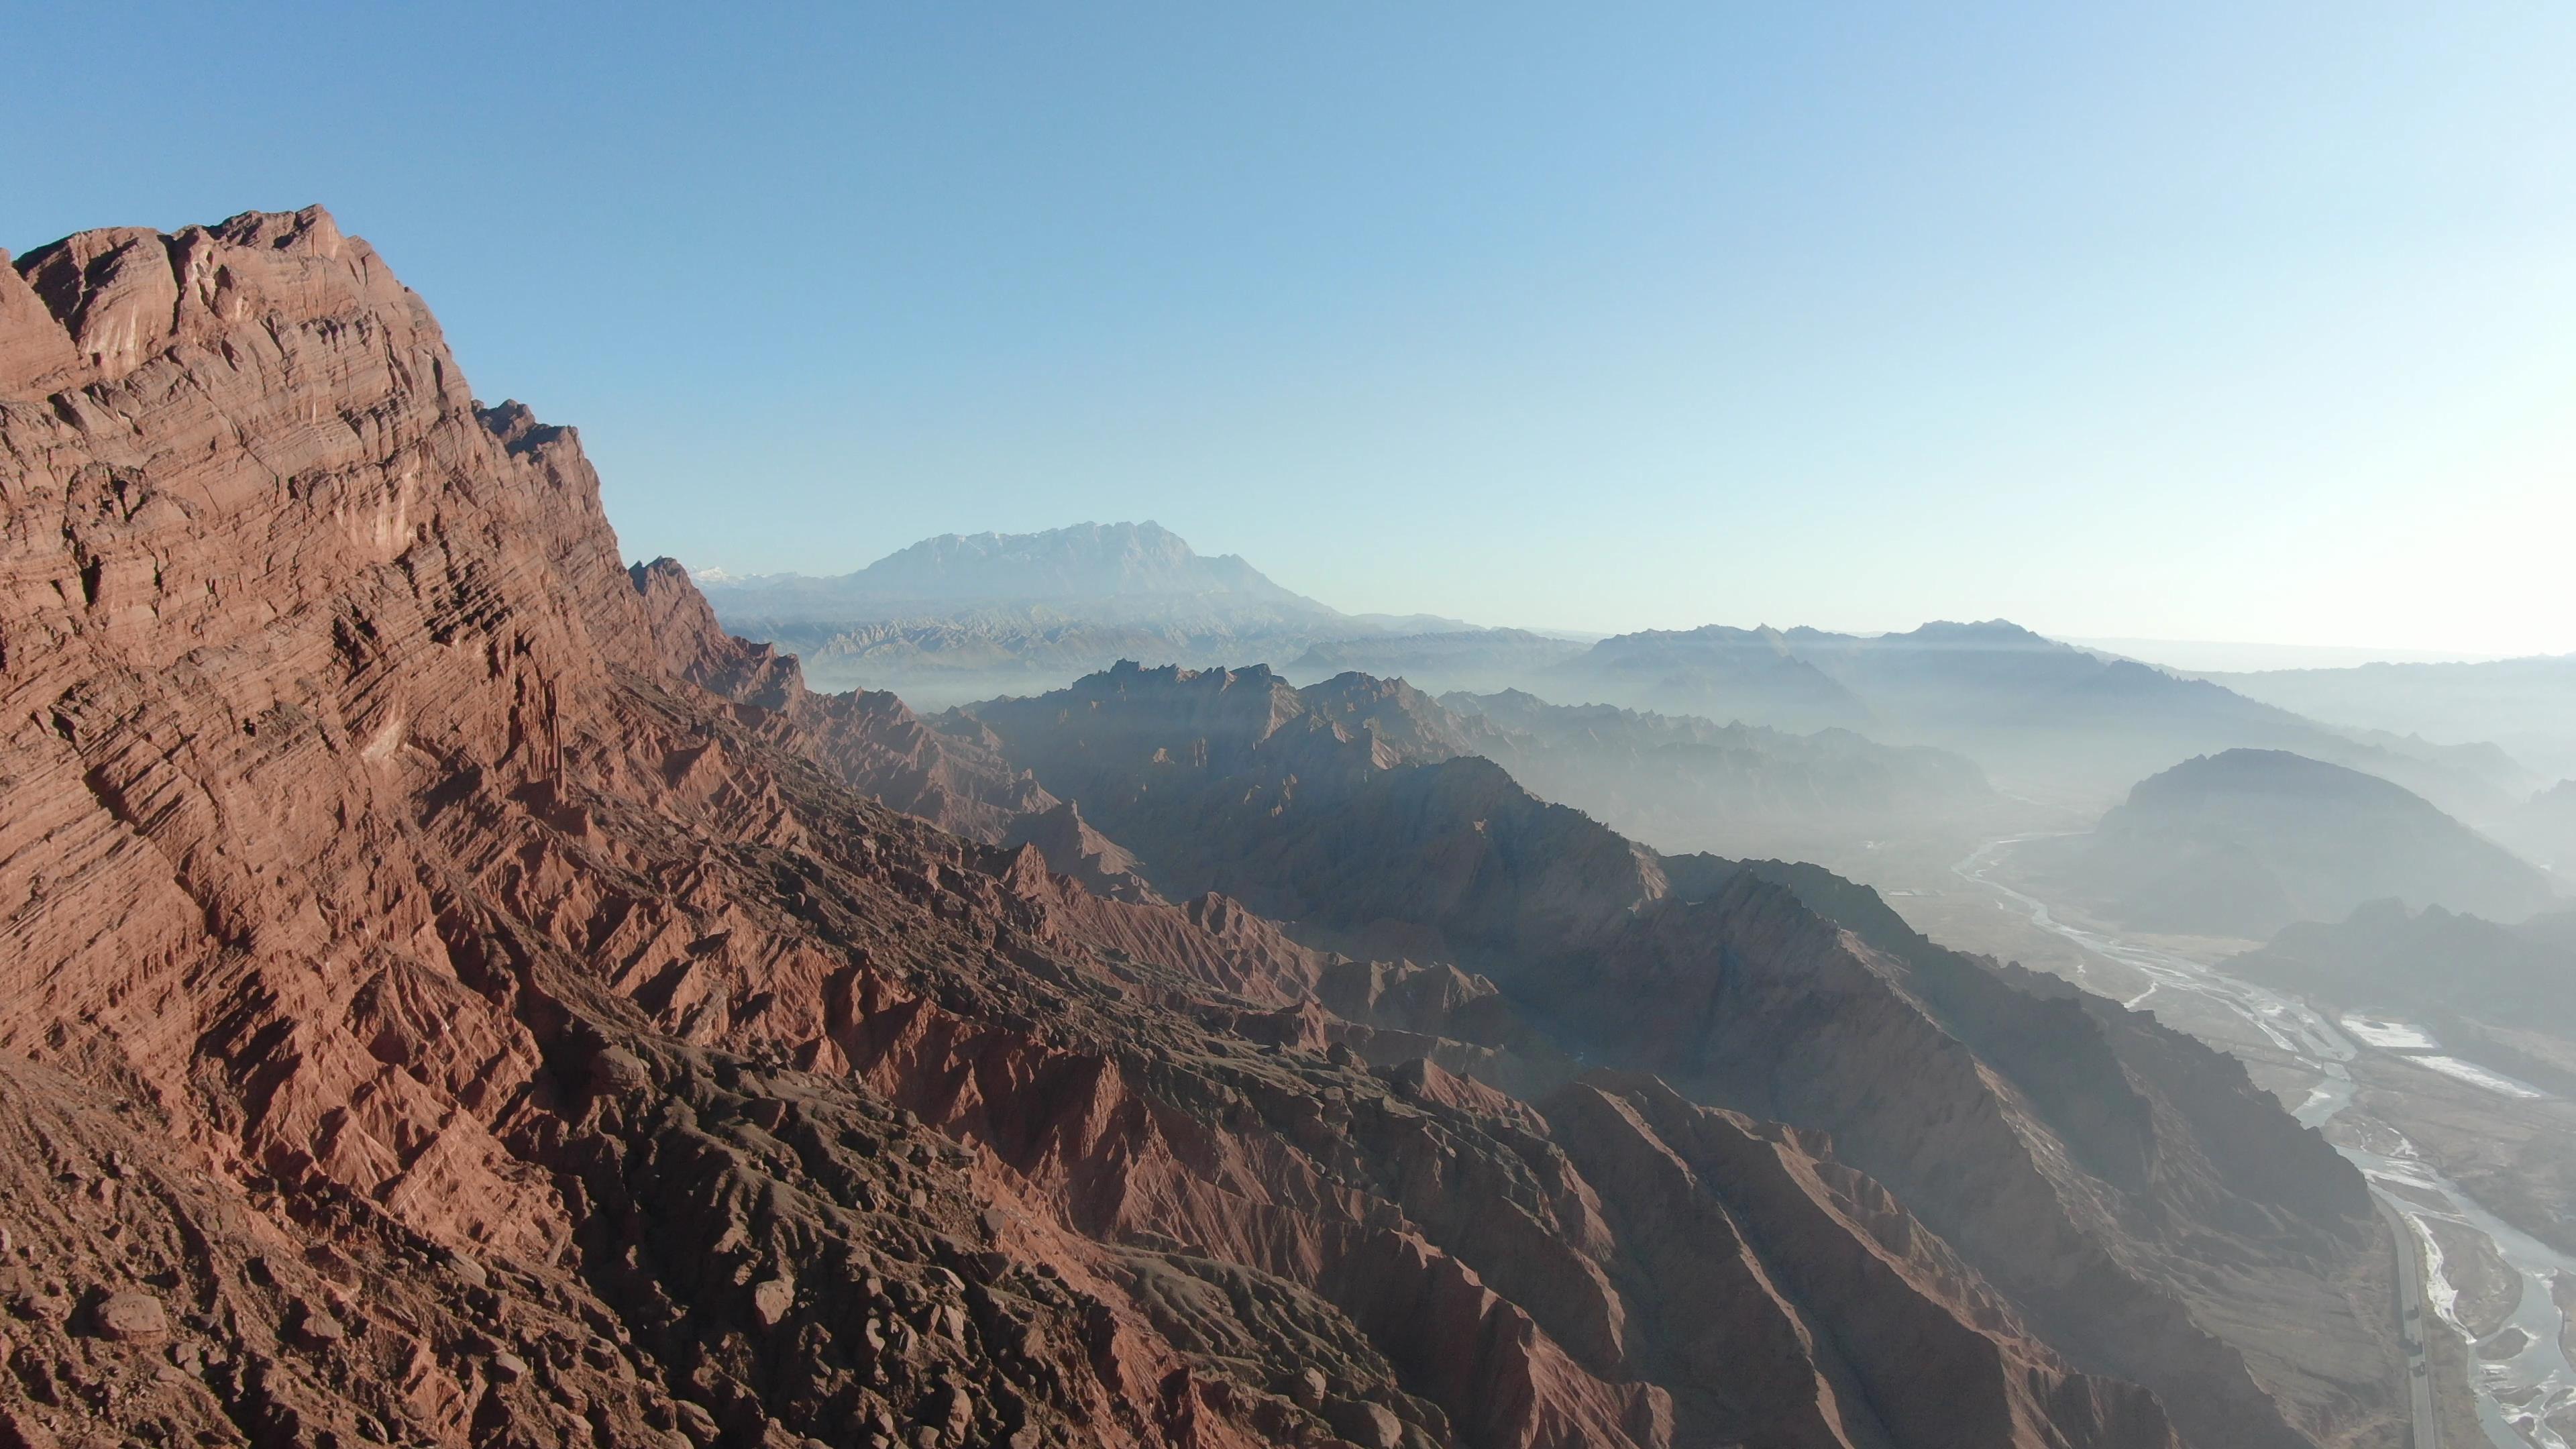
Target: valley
(2380,1107)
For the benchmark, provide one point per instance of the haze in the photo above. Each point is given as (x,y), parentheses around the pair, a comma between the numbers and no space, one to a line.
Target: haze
(2206,322)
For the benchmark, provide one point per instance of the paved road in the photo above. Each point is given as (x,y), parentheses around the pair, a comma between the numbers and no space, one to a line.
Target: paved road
(2414,1321)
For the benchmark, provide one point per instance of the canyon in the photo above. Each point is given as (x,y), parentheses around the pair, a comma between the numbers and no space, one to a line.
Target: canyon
(454,993)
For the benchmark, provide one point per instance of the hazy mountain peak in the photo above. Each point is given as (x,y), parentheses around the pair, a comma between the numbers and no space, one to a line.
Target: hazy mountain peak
(1081,561)
(2251,772)
(1102,572)
(1982,634)
(1145,541)
(2246,841)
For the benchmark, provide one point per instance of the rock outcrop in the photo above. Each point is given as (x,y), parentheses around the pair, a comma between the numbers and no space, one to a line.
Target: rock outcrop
(869,738)
(451,994)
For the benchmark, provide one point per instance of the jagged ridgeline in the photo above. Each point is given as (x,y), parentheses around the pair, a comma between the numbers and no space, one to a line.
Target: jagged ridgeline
(454,994)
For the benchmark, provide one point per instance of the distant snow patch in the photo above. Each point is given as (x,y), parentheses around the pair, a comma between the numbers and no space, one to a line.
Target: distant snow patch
(2478,1076)
(2393,1036)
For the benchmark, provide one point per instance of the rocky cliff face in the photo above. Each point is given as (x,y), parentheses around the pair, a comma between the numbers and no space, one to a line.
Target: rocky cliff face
(870,739)
(451,994)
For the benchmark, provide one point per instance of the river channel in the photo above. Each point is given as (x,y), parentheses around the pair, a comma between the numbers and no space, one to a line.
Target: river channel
(2516,1395)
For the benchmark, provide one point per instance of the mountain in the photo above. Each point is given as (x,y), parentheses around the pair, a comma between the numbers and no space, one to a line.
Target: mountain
(2246,842)
(1107,573)
(960,617)
(452,993)
(1450,659)
(2036,714)
(1685,783)
(2431,962)
(1748,675)
(2077,1156)
(2527,705)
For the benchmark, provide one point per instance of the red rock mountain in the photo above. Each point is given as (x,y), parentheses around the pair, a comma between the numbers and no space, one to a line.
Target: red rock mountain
(451,994)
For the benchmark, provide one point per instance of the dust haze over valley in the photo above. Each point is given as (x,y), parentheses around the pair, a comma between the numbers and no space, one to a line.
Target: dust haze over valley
(1692,727)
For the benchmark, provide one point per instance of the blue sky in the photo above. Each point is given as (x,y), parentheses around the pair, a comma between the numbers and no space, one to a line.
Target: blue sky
(2225,321)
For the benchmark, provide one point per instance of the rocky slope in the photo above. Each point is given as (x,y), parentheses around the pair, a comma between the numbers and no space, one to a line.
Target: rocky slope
(451,994)
(870,739)
(2246,842)
(2080,1158)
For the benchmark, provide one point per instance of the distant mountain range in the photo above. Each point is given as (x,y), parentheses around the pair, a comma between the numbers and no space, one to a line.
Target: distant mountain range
(959,618)
(2246,842)
(2039,715)
(2528,706)
(1691,781)
(962,616)
(1099,572)
(1753,675)
(1442,661)
(1683,783)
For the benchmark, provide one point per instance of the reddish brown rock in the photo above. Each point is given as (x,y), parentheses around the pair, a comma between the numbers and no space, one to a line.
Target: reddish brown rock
(131,1316)
(20,1428)
(770,1300)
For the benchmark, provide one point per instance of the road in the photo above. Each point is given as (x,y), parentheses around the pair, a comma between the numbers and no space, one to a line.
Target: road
(2412,1321)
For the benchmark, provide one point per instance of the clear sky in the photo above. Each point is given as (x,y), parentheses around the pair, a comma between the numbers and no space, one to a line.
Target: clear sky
(2190,321)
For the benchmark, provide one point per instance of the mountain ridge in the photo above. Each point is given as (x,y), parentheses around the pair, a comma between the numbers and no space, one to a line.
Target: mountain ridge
(951,619)
(2246,842)
(1084,561)
(1379,842)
